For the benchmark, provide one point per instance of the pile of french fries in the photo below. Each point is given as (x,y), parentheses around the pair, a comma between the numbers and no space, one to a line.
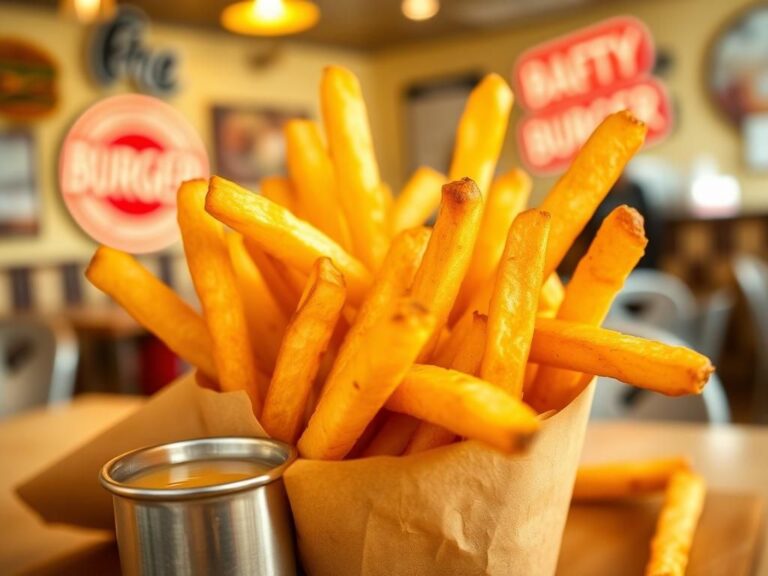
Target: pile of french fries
(356,330)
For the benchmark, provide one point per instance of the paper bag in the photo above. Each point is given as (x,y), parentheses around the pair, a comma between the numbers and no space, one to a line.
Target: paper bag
(69,491)
(463,510)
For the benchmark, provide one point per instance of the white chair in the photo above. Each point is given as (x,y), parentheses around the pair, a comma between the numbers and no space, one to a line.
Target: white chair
(614,399)
(38,362)
(656,299)
(752,279)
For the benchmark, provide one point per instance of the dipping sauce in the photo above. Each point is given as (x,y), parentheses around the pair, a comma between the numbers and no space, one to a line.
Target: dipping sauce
(197,474)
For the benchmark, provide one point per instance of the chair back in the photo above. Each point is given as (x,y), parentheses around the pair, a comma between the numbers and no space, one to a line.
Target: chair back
(752,279)
(656,299)
(38,362)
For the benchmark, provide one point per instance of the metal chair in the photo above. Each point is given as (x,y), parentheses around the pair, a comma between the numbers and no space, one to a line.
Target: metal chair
(752,278)
(711,324)
(613,399)
(38,362)
(656,299)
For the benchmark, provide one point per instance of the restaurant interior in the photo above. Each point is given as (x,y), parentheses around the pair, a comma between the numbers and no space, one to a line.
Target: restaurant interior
(219,80)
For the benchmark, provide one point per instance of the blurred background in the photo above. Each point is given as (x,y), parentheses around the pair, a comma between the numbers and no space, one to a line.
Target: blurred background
(695,70)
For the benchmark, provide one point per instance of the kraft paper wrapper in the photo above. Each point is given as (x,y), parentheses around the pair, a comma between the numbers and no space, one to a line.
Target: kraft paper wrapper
(69,491)
(464,509)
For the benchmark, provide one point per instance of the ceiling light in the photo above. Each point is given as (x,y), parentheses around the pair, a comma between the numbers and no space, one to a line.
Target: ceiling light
(420,9)
(88,11)
(270,17)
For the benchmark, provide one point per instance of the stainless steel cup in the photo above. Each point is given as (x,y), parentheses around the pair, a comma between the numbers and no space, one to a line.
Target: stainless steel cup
(242,527)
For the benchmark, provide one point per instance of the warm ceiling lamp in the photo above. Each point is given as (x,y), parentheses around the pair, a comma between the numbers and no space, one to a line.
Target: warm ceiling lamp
(270,17)
(88,11)
(420,9)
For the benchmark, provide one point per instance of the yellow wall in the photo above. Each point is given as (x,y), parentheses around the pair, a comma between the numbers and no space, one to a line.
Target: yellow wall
(214,69)
(682,27)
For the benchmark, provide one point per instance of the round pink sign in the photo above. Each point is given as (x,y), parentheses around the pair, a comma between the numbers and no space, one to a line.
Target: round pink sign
(119,169)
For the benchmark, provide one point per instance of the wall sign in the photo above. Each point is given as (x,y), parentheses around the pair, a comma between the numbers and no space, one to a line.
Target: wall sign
(28,80)
(569,85)
(120,166)
(118,49)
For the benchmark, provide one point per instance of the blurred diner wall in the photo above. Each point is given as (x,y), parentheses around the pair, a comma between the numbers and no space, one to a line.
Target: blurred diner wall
(681,28)
(216,68)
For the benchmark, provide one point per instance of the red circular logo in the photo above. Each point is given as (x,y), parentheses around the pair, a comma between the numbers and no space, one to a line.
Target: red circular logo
(119,169)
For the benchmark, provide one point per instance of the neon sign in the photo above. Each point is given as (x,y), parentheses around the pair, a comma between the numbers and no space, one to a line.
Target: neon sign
(568,85)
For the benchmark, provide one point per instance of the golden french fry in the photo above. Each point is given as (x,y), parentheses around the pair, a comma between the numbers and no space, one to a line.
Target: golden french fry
(392,437)
(466,360)
(619,480)
(363,198)
(153,305)
(591,175)
(670,370)
(676,527)
(278,189)
(266,321)
(282,235)
(448,253)
(358,388)
(551,297)
(506,199)
(419,199)
(392,282)
(514,302)
(305,342)
(615,251)
(214,279)
(465,405)
(481,132)
(276,276)
(314,180)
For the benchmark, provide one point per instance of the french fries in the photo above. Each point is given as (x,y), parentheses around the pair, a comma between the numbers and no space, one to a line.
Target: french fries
(306,340)
(551,297)
(314,181)
(393,437)
(357,389)
(507,197)
(600,275)
(277,277)
(153,305)
(593,172)
(279,190)
(676,526)
(214,279)
(281,234)
(466,406)
(481,132)
(363,198)
(418,200)
(266,321)
(669,370)
(467,360)
(515,301)
(620,480)
(448,253)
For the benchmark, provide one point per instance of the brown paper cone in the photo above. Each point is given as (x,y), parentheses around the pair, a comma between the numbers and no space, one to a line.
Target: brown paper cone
(69,491)
(464,509)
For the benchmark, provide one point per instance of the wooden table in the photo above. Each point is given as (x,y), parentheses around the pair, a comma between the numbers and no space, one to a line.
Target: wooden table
(732,458)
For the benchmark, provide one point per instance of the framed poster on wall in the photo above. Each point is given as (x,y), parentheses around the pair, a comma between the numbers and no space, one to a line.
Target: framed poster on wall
(433,110)
(248,142)
(19,201)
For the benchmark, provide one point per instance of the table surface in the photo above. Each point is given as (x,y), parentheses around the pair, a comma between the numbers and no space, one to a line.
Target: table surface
(732,458)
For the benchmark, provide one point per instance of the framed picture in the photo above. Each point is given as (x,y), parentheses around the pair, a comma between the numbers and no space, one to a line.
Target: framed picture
(433,110)
(249,142)
(19,202)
